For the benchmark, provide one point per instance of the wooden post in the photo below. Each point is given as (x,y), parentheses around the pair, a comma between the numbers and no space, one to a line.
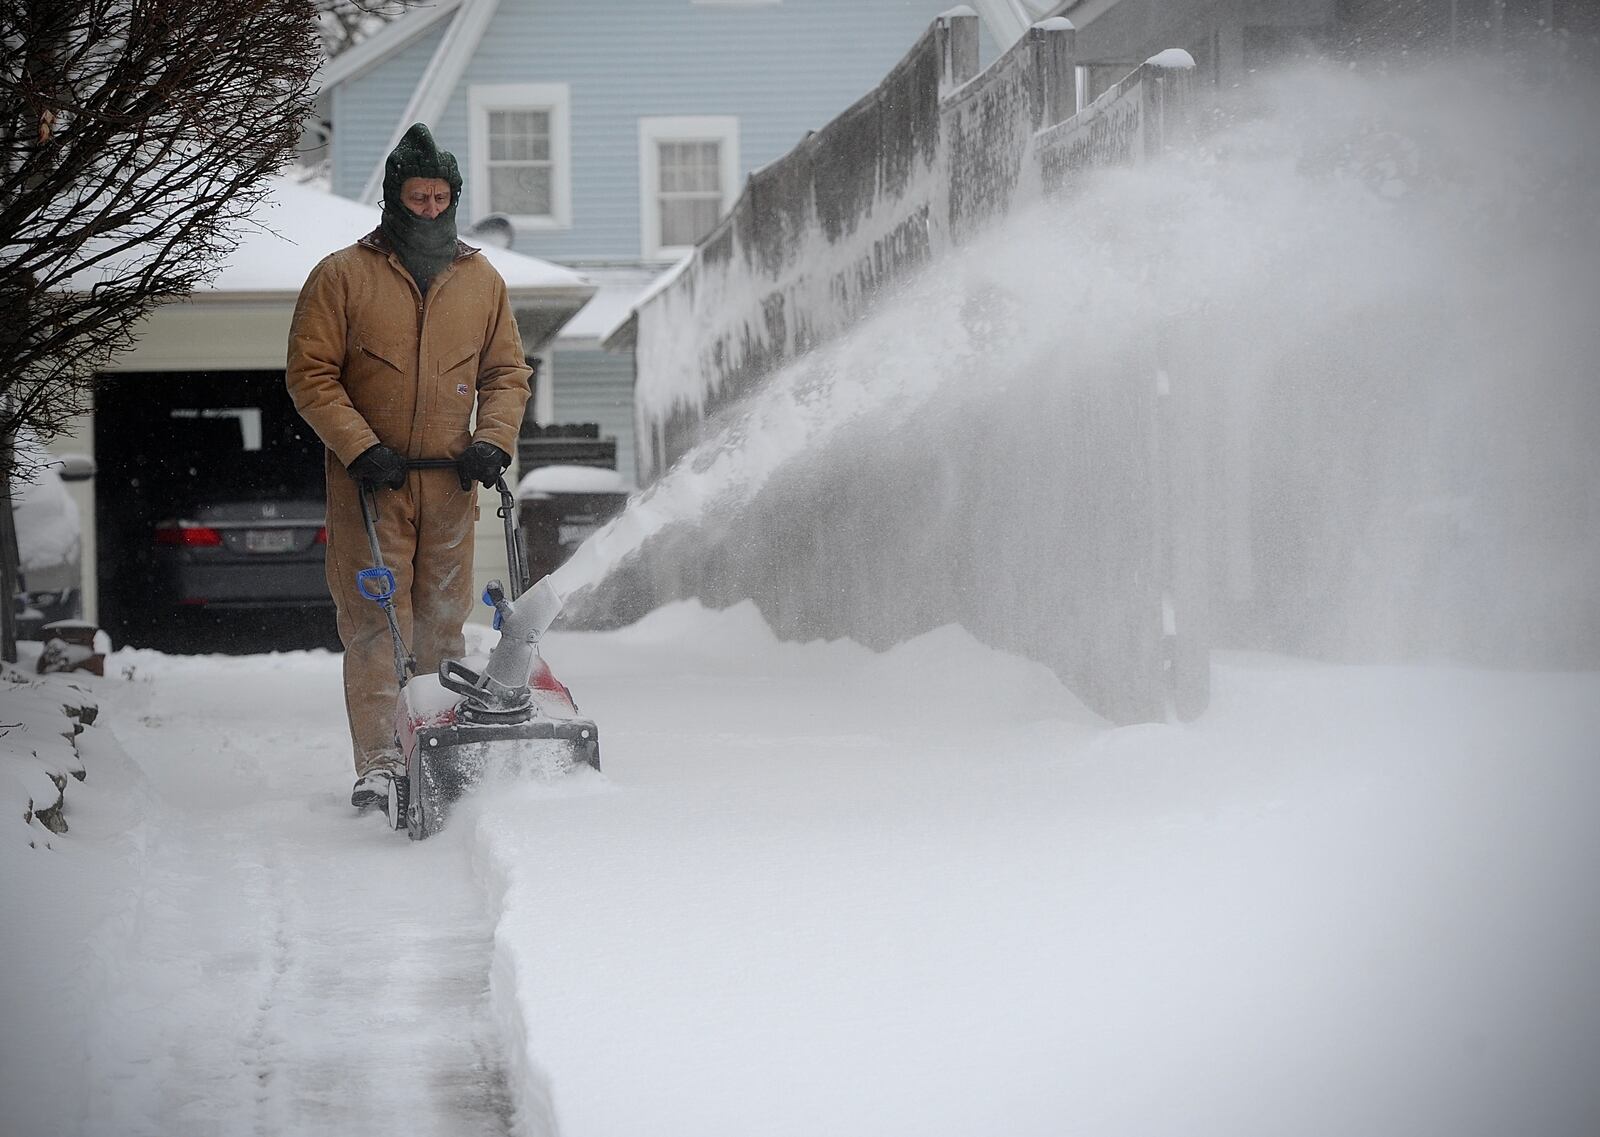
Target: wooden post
(1055,82)
(957,30)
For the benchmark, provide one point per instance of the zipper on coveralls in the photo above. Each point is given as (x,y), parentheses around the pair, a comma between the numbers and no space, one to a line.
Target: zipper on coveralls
(422,381)
(423,303)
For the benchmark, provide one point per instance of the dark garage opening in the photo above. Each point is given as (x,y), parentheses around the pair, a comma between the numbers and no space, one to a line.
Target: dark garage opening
(208,514)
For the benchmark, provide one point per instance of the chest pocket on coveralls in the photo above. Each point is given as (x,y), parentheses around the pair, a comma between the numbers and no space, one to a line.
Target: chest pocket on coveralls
(386,356)
(373,382)
(458,384)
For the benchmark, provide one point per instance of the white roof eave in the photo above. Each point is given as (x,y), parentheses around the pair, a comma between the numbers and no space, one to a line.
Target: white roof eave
(439,79)
(381,45)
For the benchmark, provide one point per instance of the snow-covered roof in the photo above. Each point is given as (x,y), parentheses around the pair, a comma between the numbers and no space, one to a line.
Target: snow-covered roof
(618,336)
(255,287)
(618,289)
(298,226)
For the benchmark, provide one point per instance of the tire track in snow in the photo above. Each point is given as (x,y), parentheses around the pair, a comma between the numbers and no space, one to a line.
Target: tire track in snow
(295,969)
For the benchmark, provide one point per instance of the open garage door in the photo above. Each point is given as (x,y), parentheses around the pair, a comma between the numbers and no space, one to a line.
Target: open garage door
(209,513)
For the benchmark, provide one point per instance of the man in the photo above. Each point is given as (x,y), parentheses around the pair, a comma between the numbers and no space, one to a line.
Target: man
(396,340)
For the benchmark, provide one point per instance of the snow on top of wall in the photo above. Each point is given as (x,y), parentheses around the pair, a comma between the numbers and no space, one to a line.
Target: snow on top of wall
(1174,57)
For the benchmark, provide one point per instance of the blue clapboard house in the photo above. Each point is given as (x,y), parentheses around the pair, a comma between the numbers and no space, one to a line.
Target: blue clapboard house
(608,135)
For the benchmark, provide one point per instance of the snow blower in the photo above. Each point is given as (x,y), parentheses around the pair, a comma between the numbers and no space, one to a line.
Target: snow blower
(458,725)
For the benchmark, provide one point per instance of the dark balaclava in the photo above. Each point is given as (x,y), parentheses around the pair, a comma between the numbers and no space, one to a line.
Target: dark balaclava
(424,245)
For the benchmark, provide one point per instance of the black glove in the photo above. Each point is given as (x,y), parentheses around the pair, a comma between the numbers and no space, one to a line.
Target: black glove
(481,462)
(379,466)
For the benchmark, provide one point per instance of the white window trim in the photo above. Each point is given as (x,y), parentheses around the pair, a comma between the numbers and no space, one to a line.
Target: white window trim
(655,129)
(553,97)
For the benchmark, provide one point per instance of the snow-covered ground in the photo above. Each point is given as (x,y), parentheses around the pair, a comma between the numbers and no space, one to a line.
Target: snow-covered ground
(826,892)
(820,890)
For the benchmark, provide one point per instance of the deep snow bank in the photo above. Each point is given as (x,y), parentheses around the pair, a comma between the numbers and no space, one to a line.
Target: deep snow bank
(924,892)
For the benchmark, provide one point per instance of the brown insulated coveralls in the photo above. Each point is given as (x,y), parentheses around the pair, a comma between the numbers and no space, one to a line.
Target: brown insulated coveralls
(370,361)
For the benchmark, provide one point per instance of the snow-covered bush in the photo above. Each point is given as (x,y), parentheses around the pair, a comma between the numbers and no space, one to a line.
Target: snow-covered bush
(39,725)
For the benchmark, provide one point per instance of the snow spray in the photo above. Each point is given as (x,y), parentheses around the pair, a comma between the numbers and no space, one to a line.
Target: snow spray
(1374,298)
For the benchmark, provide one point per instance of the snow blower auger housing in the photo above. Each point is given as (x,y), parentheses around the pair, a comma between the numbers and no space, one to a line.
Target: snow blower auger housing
(514,716)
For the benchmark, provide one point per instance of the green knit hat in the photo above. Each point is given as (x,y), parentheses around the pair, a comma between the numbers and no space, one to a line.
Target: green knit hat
(416,156)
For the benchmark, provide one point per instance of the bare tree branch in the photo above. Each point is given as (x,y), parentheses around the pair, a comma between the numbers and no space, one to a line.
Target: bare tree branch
(135,136)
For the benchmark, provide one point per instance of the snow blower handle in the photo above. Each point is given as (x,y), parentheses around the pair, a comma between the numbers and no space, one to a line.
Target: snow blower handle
(378,585)
(516,555)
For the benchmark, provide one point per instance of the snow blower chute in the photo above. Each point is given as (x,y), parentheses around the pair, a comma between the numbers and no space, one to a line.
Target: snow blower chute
(456,726)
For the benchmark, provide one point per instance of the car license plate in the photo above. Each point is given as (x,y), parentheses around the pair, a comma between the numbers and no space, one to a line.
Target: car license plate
(268,540)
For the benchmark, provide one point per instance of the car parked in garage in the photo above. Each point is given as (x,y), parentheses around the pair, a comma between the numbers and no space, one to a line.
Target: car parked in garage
(211,516)
(243,553)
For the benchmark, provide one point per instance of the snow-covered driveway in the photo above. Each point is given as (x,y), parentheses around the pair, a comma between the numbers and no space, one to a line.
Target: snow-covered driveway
(824,891)
(275,965)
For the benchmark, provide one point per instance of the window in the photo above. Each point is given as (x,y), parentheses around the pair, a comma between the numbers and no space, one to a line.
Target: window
(519,162)
(520,153)
(688,175)
(690,184)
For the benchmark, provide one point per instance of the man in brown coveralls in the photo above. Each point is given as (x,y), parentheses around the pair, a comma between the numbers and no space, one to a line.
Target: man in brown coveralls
(396,340)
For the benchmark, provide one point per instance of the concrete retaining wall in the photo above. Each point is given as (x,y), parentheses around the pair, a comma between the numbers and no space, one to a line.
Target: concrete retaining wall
(921,165)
